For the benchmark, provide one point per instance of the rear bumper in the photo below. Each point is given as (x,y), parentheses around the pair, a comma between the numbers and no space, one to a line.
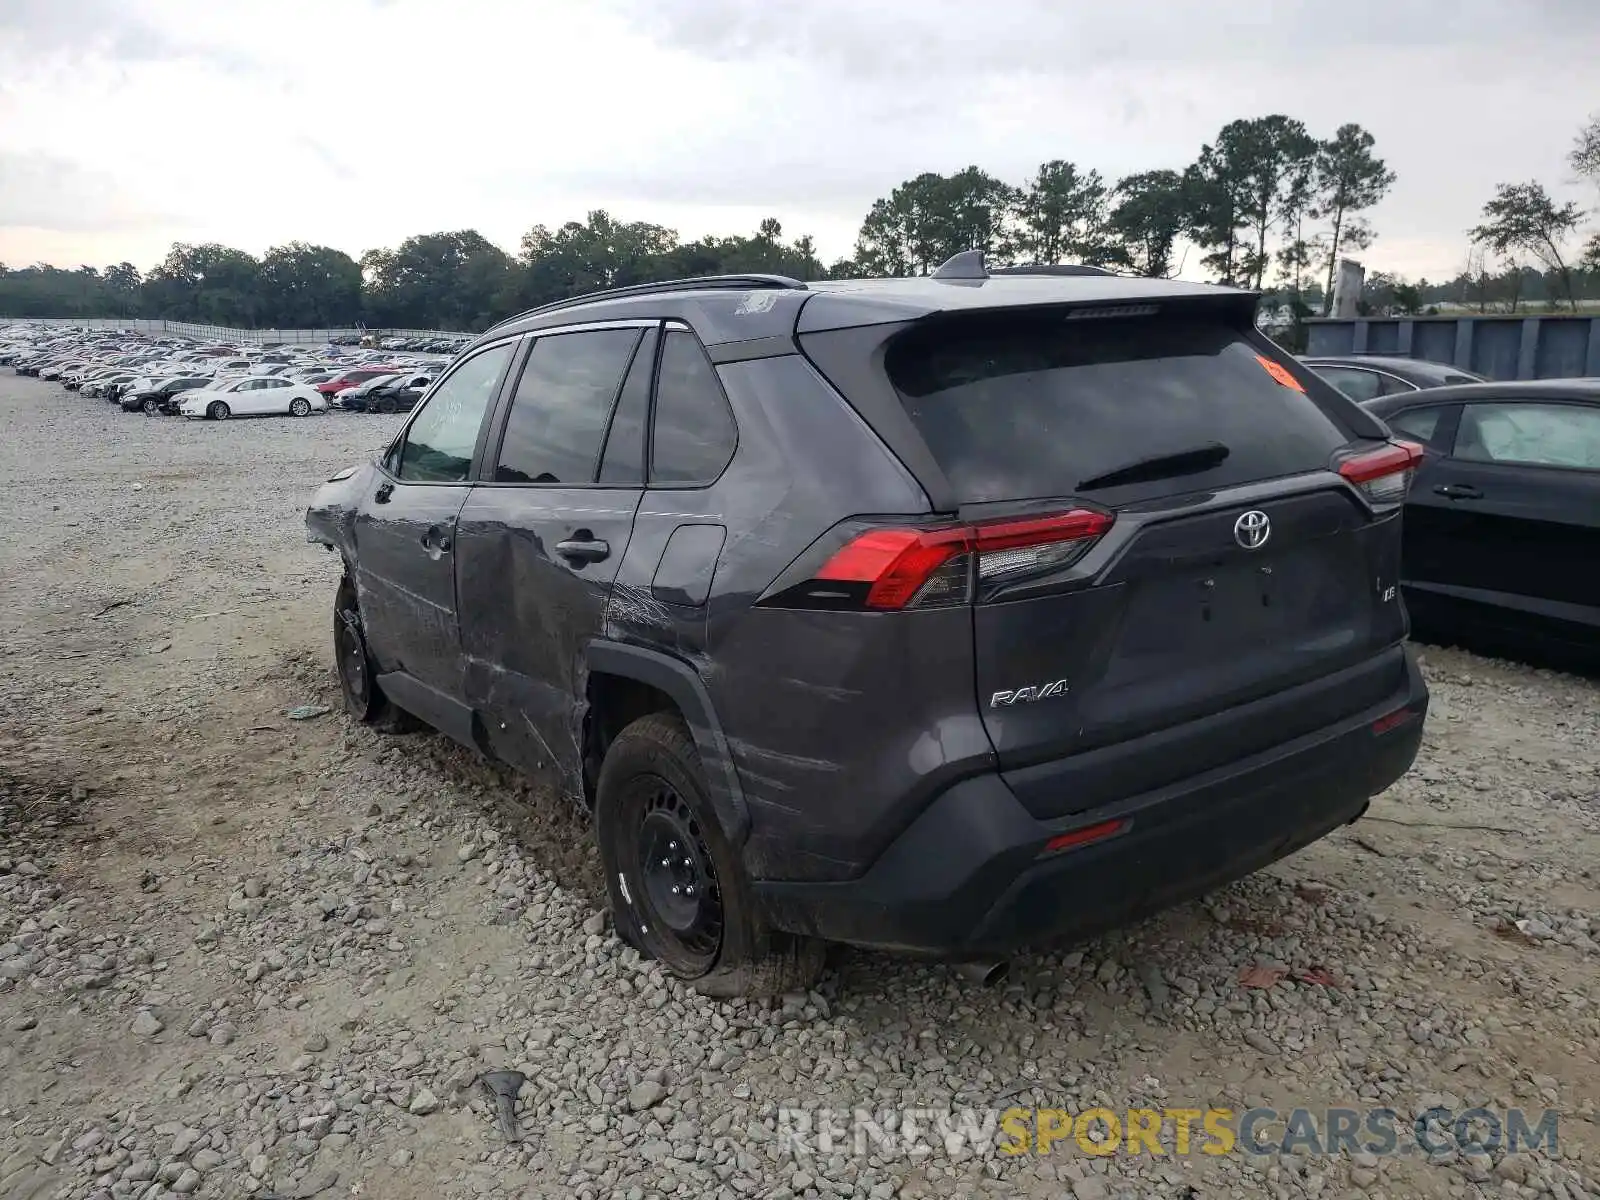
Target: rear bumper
(968,878)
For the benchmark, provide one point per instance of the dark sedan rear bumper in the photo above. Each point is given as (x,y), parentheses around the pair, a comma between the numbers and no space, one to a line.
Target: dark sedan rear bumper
(970,878)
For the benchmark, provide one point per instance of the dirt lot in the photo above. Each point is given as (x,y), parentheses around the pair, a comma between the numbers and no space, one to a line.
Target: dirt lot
(244,954)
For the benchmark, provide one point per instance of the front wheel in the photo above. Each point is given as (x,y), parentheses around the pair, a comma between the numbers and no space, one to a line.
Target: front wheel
(300,407)
(363,698)
(218,410)
(677,890)
(152,406)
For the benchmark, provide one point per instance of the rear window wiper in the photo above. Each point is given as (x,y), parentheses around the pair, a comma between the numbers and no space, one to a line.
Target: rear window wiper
(1159,466)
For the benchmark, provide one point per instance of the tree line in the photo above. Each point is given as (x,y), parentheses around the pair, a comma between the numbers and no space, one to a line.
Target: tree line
(1521,254)
(1266,204)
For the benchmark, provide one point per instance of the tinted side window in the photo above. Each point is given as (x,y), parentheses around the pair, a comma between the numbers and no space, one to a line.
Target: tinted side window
(1352,381)
(623,462)
(563,401)
(439,444)
(1539,435)
(694,432)
(1420,423)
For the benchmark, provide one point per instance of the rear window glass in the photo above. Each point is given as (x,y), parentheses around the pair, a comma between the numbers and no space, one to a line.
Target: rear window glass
(1420,423)
(1036,407)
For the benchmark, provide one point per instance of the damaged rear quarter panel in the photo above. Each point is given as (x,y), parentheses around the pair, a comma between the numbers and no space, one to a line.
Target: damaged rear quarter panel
(821,711)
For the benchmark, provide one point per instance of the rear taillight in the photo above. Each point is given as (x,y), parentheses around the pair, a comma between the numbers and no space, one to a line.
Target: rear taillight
(901,568)
(1383,475)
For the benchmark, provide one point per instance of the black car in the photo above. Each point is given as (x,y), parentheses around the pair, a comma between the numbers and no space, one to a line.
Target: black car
(397,394)
(162,398)
(1364,377)
(948,615)
(1502,527)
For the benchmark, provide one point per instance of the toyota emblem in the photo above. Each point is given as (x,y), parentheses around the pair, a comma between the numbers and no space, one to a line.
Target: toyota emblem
(1252,529)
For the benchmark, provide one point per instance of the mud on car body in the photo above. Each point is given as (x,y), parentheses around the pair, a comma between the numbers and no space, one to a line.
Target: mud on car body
(947,615)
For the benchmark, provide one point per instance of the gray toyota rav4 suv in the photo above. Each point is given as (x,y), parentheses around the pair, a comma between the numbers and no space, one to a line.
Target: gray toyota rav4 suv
(947,615)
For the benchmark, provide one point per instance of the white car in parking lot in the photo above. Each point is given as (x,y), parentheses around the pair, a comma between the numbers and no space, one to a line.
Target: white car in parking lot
(251,396)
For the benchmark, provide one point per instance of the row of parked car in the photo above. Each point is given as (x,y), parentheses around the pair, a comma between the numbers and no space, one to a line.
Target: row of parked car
(428,345)
(181,377)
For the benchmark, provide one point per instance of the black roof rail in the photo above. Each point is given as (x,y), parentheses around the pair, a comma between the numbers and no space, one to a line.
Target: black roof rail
(736,282)
(1052,269)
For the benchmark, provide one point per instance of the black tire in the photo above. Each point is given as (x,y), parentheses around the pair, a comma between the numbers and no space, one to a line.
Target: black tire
(152,406)
(363,698)
(658,832)
(299,407)
(218,410)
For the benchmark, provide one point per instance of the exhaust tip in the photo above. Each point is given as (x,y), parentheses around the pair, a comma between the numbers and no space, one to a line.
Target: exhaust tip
(986,973)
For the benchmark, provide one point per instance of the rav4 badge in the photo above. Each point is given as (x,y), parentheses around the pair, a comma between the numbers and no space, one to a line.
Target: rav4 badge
(1027,695)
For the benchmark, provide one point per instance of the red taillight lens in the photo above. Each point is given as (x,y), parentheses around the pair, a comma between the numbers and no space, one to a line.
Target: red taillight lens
(926,568)
(1384,475)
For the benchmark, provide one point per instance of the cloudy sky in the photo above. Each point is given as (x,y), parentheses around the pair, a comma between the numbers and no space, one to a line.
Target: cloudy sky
(128,124)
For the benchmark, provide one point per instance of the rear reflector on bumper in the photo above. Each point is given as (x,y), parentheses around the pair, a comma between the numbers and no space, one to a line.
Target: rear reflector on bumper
(1392,720)
(1083,837)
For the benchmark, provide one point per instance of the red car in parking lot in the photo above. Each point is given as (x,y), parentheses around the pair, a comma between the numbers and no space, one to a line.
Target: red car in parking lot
(338,383)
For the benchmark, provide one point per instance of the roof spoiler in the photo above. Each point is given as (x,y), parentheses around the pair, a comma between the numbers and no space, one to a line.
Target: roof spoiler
(970,264)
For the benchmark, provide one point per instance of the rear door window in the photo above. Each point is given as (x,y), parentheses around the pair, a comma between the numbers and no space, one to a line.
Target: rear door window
(1419,423)
(563,402)
(1355,382)
(622,464)
(1021,407)
(1534,435)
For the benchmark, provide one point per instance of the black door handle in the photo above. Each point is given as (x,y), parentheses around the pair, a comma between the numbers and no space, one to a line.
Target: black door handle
(584,549)
(381,496)
(1458,491)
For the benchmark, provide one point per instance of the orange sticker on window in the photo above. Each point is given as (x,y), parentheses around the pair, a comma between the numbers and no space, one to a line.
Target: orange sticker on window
(1279,372)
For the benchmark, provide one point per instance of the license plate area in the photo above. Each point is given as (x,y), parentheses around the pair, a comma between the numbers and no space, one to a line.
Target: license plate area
(1242,606)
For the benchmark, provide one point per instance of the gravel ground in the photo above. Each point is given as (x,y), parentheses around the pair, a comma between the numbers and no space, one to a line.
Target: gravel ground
(243,954)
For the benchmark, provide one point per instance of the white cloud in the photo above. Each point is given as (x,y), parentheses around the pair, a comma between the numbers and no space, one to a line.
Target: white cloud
(358,122)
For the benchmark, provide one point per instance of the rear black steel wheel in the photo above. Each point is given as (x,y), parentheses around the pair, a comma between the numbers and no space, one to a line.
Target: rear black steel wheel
(677,889)
(682,900)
